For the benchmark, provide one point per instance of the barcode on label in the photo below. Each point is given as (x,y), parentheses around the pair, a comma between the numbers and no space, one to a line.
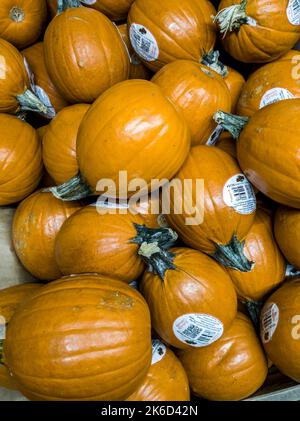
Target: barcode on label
(293,12)
(238,194)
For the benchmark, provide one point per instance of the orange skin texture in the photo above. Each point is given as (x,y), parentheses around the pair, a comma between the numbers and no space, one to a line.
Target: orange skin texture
(149,208)
(20,159)
(283,348)
(197,285)
(166,381)
(36,224)
(10,299)
(287,233)
(36,60)
(149,139)
(272,37)
(95,243)
(13,78)
(278,74)
(234,82)
(263,155)
(41,132)
(227,144)
(230,369)
(198,92)
(183,29)
(59,143)
(27,31)
(114,9)
(97,346)
(84,54)
(221,221)
(269,270)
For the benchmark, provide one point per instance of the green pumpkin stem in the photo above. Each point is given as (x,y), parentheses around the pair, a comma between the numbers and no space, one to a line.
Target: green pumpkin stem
(232,255)
(67,4)
(74,189)
(163,237)
(30,102)
(16,14)
(232,18)
(233,124)
(254,309)
(157,259)
(212,61)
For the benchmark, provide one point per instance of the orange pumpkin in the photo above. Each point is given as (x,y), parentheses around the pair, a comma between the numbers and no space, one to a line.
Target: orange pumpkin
(166,379)
(97,346)
(260,31)
(41,132)
(227,144)
(20,159)
(230,369)
(198,92)
(84,54)
(287,229)
(10,299)
(59,143)
(214,218)
(114,9)
(36,224)
(22,21)
(196,291)
(36,61)
(269,268)
(149,208)
(280,328)
(162,32)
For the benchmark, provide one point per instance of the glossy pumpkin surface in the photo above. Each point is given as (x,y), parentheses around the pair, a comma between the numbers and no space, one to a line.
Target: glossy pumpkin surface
(98,343)
(114,9)
(36,224)
(230,369)
(235,82)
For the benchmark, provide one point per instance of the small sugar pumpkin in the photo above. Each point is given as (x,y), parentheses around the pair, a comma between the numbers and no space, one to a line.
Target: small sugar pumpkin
(287,233)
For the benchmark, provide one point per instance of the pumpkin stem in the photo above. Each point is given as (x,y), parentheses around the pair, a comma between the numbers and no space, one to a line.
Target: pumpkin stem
(30,102)
(157,259)
(212,61)
(163,237)
(232,255)
(73,189)
(17,14)
(254,309)
(291,271)
(67,4)
(233,124)
(232,18)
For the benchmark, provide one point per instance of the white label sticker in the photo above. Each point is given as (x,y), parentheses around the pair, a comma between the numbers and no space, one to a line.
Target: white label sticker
(275,95)
(143,42)
(158,351)
(239,195)
(293,12)
(198,330)
(269,322)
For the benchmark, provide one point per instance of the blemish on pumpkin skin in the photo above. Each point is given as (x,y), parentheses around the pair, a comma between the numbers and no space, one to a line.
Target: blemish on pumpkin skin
(116,300)
(76,308)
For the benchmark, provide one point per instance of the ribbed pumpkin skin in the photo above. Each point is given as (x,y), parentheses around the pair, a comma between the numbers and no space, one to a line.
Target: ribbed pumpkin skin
(278,74)
(149,209)
(149,138)
(198,285)
(36,224)
(95,243)
(287,231)
(97,346)
(26,30)
(284,346)
(165,381)
(268,152)
(272,37)
(20,159)
(13,77)
(59,143)
(84,54)
(183,29)
(36,60)
(269,270)
(227,144)
(221,221)
(198,92)
(230,369)
(234,82)
(114,9)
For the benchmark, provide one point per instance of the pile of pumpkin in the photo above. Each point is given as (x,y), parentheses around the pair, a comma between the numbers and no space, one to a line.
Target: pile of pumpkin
(138,305)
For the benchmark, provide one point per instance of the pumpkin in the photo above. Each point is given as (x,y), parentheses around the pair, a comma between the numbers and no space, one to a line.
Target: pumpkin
(162,32)
(267,152)
(10,299)
(196,291)
(258,32)
(197,91)
(227,144)
(230,369)
(36,224)
(214,218)
(280,328)
(272,82)
(269,269)
(97,346)
(22,21)
(114,9)
(41,132)
(84,54)
(59,143)
(20,159)
(149,208)
(166,379)
(36,61)
(286,229)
